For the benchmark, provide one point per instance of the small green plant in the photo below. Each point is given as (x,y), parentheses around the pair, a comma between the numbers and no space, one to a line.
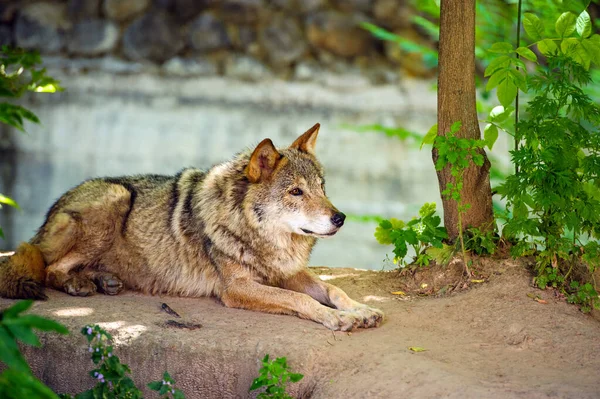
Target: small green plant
(19,73)
(166,388)
(584,295)
(274,376)
(458,154)
(17,380)
(420,233)
(481,242)
(113,380)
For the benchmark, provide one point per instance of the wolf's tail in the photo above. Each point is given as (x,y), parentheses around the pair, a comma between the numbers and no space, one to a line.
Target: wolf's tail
(22,275)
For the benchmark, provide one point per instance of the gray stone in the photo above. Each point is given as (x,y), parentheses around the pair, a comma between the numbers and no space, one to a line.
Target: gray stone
(207,33)
(5,35)
(338,33)
(93,37)
(355,5)
(121,10)
(41,26)
(283,41)
(244,67)
(241,11)
(392,13)
(307,70)
(154,37)
(186,67)
(307,6)
(185,10)
(83,9)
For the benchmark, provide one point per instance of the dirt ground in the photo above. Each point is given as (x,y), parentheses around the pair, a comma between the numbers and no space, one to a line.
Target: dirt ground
(494,335)
(498,337)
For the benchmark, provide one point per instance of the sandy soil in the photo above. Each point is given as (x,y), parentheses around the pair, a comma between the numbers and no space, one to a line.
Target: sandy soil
(485,339)
(497,338)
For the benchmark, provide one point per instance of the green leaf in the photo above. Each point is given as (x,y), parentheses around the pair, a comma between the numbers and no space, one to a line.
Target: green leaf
(533,26)
(501,47)
(507,91)
(430,136)
(41,323)
(17,308)
(10,354)
(574,49)
(497,63)
(295,377)
(22,333)
(584,24)
(547,47)
(575,6)
(456,127)
(155,385)
(500,113)
(519,79)
(592,48)
(496,78)
(8,201)
(527,54)
(490,135)
(565,24)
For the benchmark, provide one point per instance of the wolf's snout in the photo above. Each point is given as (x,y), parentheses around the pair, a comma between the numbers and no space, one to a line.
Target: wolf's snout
(338,219)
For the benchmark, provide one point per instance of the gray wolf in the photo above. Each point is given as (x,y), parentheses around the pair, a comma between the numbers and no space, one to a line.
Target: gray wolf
(242,231)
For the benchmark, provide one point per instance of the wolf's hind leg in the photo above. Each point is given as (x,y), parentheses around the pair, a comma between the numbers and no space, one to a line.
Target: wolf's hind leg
(106,283)
(60,277)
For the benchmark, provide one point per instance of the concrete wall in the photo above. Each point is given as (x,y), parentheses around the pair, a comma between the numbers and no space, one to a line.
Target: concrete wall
(105,124)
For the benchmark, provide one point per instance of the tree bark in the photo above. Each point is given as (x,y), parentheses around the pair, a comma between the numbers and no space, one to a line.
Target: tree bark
(456,102)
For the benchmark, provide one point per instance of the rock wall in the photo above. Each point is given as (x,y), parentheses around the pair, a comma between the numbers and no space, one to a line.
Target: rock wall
(248,39)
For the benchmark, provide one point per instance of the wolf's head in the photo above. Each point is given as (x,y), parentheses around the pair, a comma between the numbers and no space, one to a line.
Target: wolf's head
(289,188)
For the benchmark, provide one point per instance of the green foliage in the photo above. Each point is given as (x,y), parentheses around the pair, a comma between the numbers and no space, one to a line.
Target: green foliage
(554,197)
(113,380)
(17,380)
(572,36)
(166,388)
(420,233)
(584,295)
(274,376)
(18,74)
(481,242)
(458,153)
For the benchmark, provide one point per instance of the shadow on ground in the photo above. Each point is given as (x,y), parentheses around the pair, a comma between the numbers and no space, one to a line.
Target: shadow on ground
(492,340)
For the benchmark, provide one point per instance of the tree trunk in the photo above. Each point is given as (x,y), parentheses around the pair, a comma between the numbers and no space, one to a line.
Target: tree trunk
(456,102)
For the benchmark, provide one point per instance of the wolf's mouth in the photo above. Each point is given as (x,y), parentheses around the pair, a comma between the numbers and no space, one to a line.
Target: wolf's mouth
(317,234)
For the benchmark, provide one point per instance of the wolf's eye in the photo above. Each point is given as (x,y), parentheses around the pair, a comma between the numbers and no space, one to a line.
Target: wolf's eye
(296,191)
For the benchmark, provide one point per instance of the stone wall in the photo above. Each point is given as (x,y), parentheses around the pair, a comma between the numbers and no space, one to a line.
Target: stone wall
(247,39)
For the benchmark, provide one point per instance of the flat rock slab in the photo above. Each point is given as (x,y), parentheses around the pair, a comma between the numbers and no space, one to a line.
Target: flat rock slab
(492,341)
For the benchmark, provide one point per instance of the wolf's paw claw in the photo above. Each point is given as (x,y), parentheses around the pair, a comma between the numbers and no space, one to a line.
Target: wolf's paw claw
(78,286)
(348,320)
(372,317)
(108,284)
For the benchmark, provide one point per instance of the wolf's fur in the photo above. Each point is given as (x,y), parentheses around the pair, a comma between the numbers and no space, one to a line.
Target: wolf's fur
(243,232)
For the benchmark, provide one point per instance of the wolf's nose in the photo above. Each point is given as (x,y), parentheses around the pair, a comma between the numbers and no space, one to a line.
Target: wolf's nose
(338,219)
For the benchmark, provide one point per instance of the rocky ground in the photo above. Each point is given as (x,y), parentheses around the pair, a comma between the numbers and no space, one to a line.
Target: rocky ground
(497,337)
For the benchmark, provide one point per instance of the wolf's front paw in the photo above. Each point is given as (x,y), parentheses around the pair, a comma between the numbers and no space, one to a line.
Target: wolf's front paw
(342,320)
(359,317)
(371,317)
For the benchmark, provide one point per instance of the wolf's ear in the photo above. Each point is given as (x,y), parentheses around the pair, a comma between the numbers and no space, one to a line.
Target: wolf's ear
(306,142)
(263,161)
